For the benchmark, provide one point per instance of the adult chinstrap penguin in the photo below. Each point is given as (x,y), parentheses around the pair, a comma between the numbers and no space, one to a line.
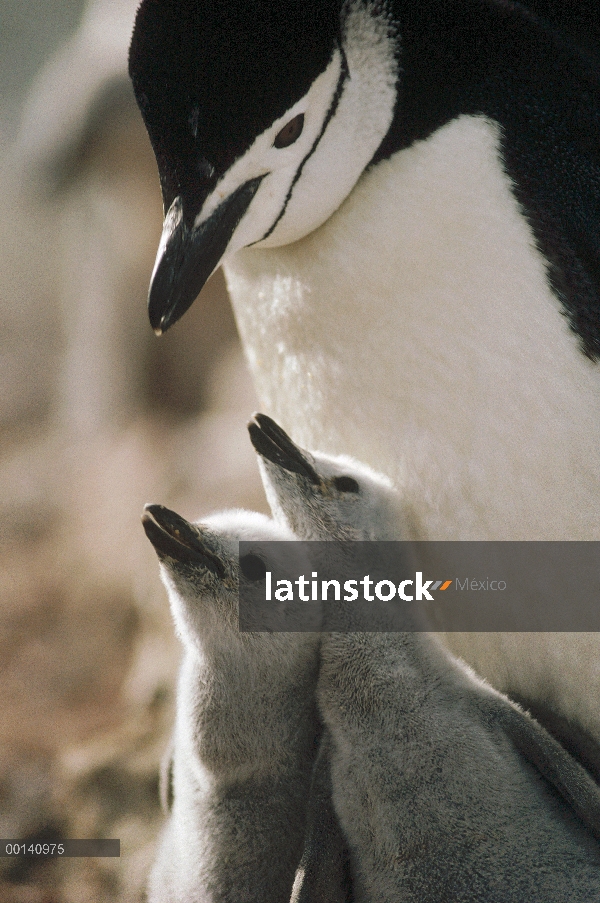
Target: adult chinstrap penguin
(246,725)
(420,186)
(442,787)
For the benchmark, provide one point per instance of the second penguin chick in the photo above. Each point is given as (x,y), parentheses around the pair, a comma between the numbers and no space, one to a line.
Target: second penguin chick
(246,725)
(317,496)
(443,789)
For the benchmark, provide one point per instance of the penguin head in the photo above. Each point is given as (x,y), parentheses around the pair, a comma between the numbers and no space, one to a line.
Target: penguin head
(322,497)
(203,572)
(262,117)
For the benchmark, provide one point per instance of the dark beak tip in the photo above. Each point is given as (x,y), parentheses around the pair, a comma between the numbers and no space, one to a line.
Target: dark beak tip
(151,509)
(174,537)
(191,254)
(263,421)
(273,444)
(255,433)
(153,532)
(147,517)
(160,318)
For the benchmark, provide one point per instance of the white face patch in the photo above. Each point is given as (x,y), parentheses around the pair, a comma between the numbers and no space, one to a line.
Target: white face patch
(278,166)
(308,180)
(359,125)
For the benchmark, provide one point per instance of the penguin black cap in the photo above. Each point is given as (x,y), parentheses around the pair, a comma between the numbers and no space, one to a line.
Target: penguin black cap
(209,78)
(243,64)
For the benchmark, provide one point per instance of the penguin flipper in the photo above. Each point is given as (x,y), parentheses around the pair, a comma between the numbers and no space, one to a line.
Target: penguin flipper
(564,773)
(323,875)
(553,160)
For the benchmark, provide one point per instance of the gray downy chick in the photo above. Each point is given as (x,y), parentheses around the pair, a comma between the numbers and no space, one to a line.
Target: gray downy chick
(443,788)
(246,727)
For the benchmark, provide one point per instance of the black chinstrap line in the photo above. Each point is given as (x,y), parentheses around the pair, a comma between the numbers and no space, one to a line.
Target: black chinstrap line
(344,73)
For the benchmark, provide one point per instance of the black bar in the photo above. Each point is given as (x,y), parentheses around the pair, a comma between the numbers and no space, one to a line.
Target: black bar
(430,586)
(53,849)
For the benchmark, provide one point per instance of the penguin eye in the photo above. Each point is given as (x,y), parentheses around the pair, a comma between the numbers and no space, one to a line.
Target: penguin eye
(290,132)
(253,568)
(346,484)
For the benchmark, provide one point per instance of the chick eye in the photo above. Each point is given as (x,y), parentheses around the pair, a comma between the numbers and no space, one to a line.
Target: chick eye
(290,132)
(346,484)
(253,568)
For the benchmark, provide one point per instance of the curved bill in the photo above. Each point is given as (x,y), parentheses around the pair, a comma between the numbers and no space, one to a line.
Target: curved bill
(174,537)
(188,256)
(274,444)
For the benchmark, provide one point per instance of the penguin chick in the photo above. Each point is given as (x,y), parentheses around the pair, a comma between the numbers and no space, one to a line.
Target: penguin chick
(442,787)
(527,667)
(246,722)
(318,504)
(434,796)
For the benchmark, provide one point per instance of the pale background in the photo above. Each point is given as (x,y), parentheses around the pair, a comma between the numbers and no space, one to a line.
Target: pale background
(97,417)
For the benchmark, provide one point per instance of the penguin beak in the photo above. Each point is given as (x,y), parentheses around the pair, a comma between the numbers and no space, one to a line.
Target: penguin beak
(187,256)
(174,537)
(270,441)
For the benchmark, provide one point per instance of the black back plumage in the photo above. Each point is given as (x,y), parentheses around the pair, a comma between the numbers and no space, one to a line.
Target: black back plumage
(209,77)
(501,60)
(574,22)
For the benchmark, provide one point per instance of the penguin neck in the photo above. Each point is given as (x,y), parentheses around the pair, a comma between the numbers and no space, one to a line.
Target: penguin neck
(419,670)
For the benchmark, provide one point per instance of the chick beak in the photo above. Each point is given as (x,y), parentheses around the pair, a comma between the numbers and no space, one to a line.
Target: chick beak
(274,444)
(174,537)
